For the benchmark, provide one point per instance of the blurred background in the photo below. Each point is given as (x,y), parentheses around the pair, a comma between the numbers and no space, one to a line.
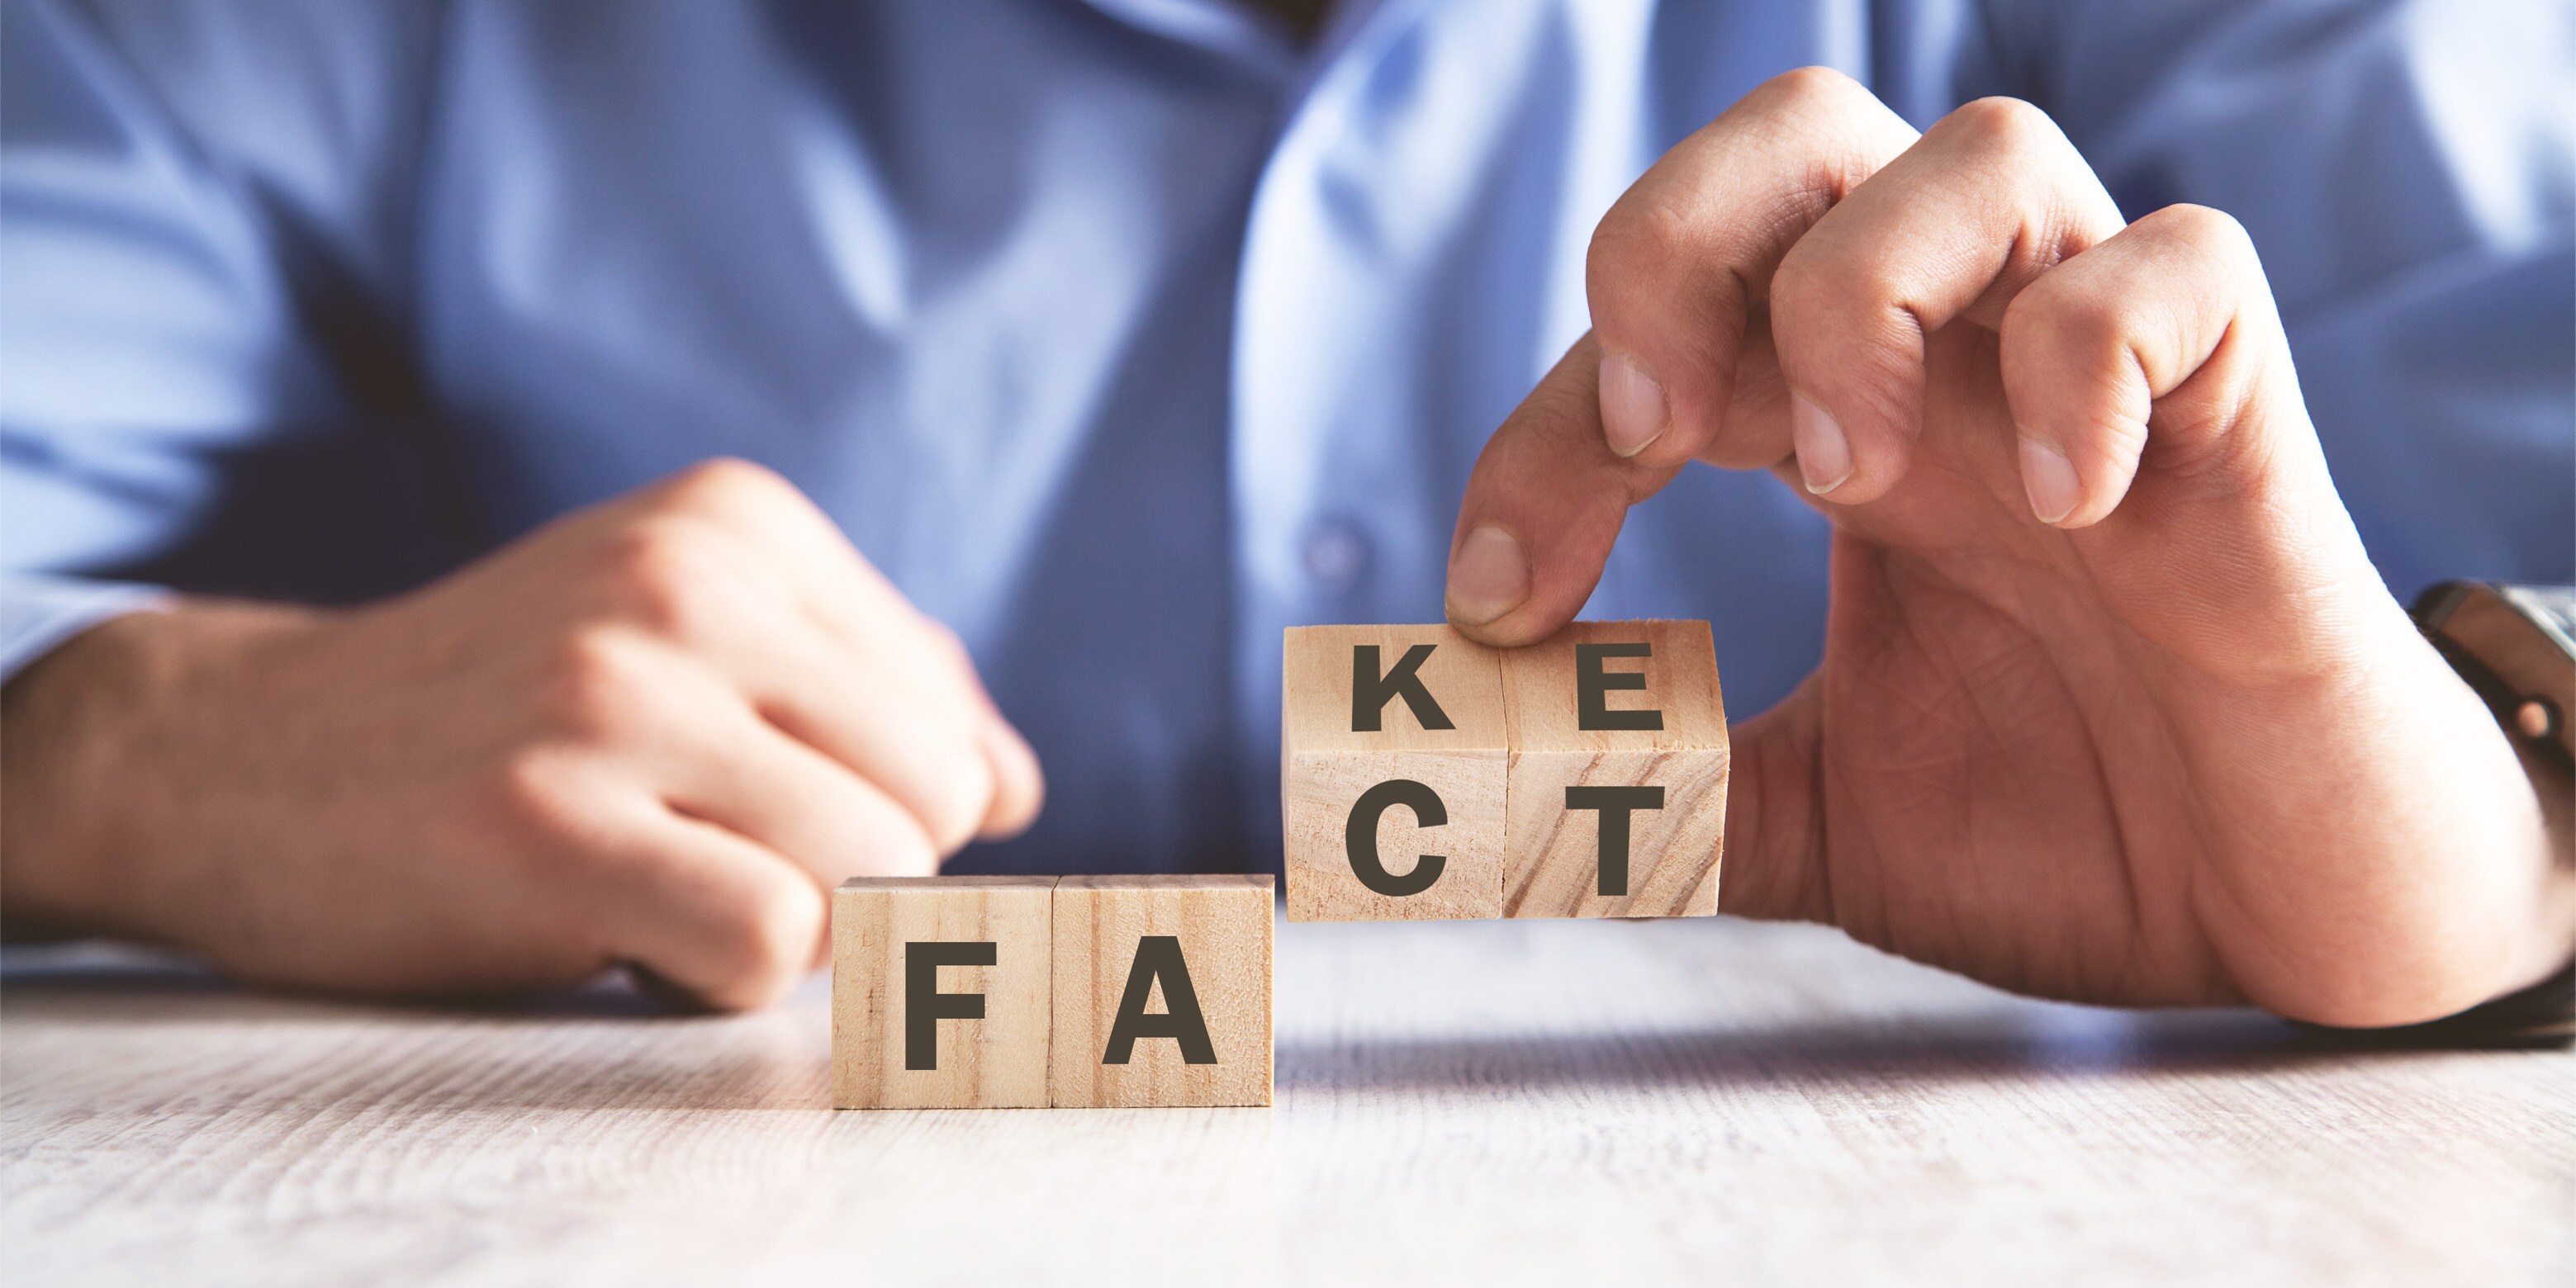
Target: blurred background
(1124,333)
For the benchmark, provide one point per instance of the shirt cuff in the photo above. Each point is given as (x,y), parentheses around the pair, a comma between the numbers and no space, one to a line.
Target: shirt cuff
(39,612)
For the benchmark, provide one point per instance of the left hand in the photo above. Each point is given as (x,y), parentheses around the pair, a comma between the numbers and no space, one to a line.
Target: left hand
(2113,706)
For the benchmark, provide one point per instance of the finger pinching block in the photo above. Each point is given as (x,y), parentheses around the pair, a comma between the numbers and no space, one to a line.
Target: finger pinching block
(1162,991)
(1393,768)
(1618,772)
(941,991)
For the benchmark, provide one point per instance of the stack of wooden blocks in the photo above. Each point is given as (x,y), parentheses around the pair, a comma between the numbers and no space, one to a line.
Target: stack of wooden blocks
(1422,776)
(1582,776)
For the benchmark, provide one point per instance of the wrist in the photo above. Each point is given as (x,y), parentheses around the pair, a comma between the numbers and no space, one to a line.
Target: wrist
(56,751)
(97,755)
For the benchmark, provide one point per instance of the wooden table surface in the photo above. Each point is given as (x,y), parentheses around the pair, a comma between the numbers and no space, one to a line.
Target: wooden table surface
(1513,1102)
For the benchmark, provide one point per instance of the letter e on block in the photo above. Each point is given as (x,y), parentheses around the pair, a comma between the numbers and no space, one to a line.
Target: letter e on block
(1162,991)
(941,992)
(1618,772)
(1393,763)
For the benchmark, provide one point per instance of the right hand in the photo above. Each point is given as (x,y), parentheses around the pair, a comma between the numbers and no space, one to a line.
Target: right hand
(655,732)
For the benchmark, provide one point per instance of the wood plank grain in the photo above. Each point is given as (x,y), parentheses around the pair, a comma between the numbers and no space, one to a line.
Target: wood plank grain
(1475,1101)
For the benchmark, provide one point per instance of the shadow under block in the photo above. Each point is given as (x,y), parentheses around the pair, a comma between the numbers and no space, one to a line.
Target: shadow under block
(1423,752)
(1162,991)
(1628,716)
(941,992)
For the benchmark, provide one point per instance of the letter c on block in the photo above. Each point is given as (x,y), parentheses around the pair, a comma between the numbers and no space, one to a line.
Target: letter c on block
(1360,836)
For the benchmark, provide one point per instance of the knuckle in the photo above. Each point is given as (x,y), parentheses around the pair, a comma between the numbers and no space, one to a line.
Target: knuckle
(1802,281)
(723,482)
(1815,87)
(661,573)
(1639,241)
(2087,323)
(945,642)
(959,807)
(597,680)
(1815,286)
(945,787)
(763,934)
(2011,126)
(535,803)
(2214,231)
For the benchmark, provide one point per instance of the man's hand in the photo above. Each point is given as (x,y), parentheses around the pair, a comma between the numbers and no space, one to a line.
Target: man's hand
(654,732)
(2113,705)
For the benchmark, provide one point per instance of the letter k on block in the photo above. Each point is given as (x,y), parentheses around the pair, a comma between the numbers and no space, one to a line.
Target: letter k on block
(1394,762)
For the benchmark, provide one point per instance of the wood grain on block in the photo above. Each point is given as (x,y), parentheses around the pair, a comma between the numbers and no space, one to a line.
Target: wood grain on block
(1162,991)
(1406,725)
(1615,726)
(941,992)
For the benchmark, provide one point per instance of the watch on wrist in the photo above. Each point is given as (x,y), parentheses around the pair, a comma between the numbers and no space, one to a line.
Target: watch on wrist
(2516,647)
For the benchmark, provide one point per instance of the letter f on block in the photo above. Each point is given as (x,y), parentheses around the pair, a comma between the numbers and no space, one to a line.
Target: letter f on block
(924,1005)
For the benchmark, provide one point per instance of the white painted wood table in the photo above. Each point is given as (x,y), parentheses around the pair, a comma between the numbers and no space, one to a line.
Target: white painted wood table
(1506,1102)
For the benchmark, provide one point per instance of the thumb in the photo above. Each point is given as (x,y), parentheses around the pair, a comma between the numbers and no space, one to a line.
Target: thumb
(1543,507)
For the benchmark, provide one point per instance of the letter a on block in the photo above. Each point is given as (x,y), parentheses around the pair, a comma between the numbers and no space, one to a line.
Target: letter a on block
(1618,772)
(1393,763)
(1162,991)
(941,992)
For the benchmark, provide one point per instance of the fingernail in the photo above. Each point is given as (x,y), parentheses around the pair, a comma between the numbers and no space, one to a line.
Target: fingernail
(2048,478)
(1488,578)
(1632,405)
(1824,455)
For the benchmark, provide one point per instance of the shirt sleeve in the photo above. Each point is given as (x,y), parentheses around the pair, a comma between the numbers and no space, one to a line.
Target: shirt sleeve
(38,612)
(155,332)
(2404,170)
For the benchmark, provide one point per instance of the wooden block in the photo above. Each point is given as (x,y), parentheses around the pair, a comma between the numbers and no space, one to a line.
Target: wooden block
(1615,727)
(941,992)
(1162,991)
(1423,750)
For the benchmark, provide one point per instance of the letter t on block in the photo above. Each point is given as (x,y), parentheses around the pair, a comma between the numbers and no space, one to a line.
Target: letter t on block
(941,992)
(1393,762)
(1619,765)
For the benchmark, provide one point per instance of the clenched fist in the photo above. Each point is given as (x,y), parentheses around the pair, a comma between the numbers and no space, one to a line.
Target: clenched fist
(2113,705)
(654,732)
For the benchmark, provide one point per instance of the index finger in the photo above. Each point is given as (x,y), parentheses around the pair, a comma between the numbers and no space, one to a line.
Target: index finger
(1684,258)
(1676,366)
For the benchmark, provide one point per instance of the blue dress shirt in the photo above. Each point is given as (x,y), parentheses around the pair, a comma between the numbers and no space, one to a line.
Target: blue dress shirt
(1124,334)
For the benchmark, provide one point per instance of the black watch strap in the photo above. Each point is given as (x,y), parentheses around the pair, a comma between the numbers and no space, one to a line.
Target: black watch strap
(2515,645)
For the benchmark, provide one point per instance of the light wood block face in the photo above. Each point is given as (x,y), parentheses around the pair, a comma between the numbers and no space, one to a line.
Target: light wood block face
(1615,726)
(1425,739)
(941,992)
(1162,991)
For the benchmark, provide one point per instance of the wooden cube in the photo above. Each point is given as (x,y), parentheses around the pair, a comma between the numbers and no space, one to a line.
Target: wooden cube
(941,992)
(1162,991)
(1618,772)
(1394,761)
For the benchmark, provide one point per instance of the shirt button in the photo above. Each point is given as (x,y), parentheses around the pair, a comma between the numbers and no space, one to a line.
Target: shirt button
(1337,555)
